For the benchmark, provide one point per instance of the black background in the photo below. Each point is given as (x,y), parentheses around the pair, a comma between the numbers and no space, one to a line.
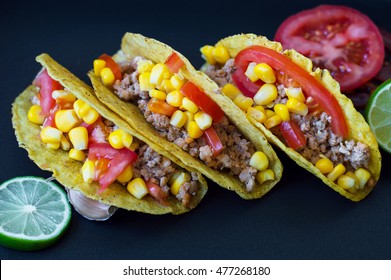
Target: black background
(301,218)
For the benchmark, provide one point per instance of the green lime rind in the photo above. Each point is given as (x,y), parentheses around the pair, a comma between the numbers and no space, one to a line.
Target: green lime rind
(34,213)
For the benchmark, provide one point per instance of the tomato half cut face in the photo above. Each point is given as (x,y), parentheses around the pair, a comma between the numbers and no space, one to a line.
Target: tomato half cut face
(338,38)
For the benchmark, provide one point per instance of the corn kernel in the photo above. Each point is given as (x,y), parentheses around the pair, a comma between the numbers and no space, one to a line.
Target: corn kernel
(77,155)
(230,91)
(178,181)
(266,94)
(159,72)
(207,54)
(34,114)
(127,139)
(269,113)
(347,183)
(336,172)
(174,98)
(250,73)
(144,65)
(272,121)
(65,120)
(99,64)
(221,54)
(79,137)
(107,76)
(297,107)
(63,96)
(352,175)
(203,120)
(264,72)
(189,118)
(145,84)
(134,146)
(194,130)
(64,143)
(82,108)
(259,161)
(178,119)
(88,171)
(115,139)
(154,93)
(53,146)
(243,102)
(295,92)
(138,188)
(263,176)
(363,176)
(91,116)
(282,111)
(166,85)
(126,175)
(50,135)
(188,105)
(77,105)
(324,165)
(256,114)
(177,82)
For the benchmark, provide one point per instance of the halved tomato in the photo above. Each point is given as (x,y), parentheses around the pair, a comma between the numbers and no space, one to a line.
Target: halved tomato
(338,38)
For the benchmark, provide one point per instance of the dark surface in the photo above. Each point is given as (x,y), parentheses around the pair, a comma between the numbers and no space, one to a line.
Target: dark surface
(301,218)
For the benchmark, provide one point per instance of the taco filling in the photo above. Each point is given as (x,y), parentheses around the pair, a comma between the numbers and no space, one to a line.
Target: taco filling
(181,112)
(294,106)
(107,152)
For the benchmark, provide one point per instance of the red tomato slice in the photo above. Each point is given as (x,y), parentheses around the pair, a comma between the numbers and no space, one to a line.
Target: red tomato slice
(213,140)
(174,62)
(309,84)
(47,85)
(203,101)
(161,107)
(243,83)
(156,192)
(112,65)
(292,134)
(338,38)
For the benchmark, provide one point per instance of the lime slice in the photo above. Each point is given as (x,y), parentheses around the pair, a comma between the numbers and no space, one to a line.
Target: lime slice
(378,115)
(34,213)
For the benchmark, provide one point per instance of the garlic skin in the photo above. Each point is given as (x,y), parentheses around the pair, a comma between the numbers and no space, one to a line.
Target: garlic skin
(90,209)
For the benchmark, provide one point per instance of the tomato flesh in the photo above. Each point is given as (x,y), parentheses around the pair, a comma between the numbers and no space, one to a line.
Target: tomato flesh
(213,140)
(156,192)
(114,67)
(292,134)
(174,62)
(161,107)
(309,84)
(338,38)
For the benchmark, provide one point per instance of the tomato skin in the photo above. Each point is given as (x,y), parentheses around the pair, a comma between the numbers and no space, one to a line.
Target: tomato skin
(243,83)
(161,107)
(292,134)
(338,38)
(156,192)
(203,101)
(309,84)
(174,62)
(213,140)
(112,65)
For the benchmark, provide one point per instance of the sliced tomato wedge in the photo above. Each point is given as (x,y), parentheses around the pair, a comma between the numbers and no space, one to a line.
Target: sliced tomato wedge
(174,62)
(213,140)
(112,65)
(203,101)
(292,134)
(338,38)
(243,83)
(156,192)
(47,85)
(161,107)
(311,86)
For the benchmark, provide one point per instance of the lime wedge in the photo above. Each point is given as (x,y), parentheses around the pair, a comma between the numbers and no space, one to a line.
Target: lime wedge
(378,114)
(34,213)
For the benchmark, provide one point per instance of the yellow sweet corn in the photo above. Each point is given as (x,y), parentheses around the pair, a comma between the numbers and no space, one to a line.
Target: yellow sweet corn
(79,137)
(363,176)
(127,139)
(296,106)
(50,135)
(207,54)
(269,113)
(53,146)
(77,105)
(266,94)
(220,54)
(230,91)
(34,114)
(63,96)
(159,72)
(174,98)
(250,73)
(188,105)
(194,130)
(144,65)
(272,121)
(243,102)
(91,116)
(282,111)
(266,175)
(77,155)
(264,72)
(107,76)
(178,119)
(158,94)
(88,171)
(324,165)
(115,139)
(177,82)
(346,182)
(295,92)
(65,120)
(203,120)
(256,114)
(138,188)
(337,171)
(126,175)
(64,143)
(352,175)
(145,84)
(178,181)
(259,161)
(134,146)
(99,64)
(189,118)
(166,86)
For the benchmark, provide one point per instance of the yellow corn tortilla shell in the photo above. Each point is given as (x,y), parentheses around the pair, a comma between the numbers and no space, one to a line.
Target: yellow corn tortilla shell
(67,171)
(359,130)
(137,45)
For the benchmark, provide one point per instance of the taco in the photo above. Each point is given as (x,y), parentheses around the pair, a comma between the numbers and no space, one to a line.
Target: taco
(299,109)
(160,94)
(67,131)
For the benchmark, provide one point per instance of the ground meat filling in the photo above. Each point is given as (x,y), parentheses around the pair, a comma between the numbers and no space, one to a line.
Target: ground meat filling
(237,151)
(316,127)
